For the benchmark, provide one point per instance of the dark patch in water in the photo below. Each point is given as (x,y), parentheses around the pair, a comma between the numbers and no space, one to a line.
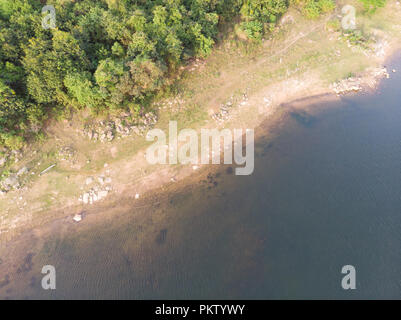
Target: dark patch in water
(127,260)
(229,170)
(27,265)
(266,148)
(178,198)
(303,118)
(33,283)
(161,237)
(5,282)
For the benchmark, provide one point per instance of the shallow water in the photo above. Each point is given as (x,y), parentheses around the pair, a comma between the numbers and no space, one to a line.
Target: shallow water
(326,192)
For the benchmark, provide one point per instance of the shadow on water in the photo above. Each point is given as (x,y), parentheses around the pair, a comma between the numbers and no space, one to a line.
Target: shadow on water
(303,118)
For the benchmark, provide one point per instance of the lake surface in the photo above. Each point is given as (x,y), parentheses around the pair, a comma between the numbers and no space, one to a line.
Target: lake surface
(326,192)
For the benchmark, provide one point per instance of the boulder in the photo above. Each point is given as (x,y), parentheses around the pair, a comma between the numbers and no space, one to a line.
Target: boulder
(102,194)
(22,171)
(11,182)
(85,198)
(101,180)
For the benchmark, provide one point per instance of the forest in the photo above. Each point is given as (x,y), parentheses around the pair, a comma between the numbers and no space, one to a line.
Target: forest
(111,55)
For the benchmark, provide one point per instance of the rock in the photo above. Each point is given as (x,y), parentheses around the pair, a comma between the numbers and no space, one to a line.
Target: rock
(101,180)
(102,194)
(22,171)
(11,182)
(114,151)
(89,180)
(3,161)
(119,129)
(85,198)
(195,167)
(77,218)
(137,196)
(110,135)
(107,180)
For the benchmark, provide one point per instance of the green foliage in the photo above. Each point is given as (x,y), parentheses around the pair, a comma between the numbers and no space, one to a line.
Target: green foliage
(109,54)
(314,8)
(357,38)
(261,16)
(372,5)
(334,25)
(12,141)
(253,29)
(81,88)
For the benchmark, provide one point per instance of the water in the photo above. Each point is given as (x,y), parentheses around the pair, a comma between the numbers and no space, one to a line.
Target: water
(326,192)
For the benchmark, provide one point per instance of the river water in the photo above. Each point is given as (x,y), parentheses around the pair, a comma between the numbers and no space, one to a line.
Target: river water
(326,192)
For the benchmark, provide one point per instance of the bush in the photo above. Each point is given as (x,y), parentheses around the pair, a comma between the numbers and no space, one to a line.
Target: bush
(314,8)
(13,142)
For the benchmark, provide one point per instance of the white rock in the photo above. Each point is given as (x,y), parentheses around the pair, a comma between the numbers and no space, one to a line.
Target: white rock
(195,167)
(89,180)
(77,218)
(85,198)
(102,194)
(137,196)
(22,171)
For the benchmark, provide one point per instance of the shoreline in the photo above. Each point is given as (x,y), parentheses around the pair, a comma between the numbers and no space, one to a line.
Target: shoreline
(301,89)
(157,185)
